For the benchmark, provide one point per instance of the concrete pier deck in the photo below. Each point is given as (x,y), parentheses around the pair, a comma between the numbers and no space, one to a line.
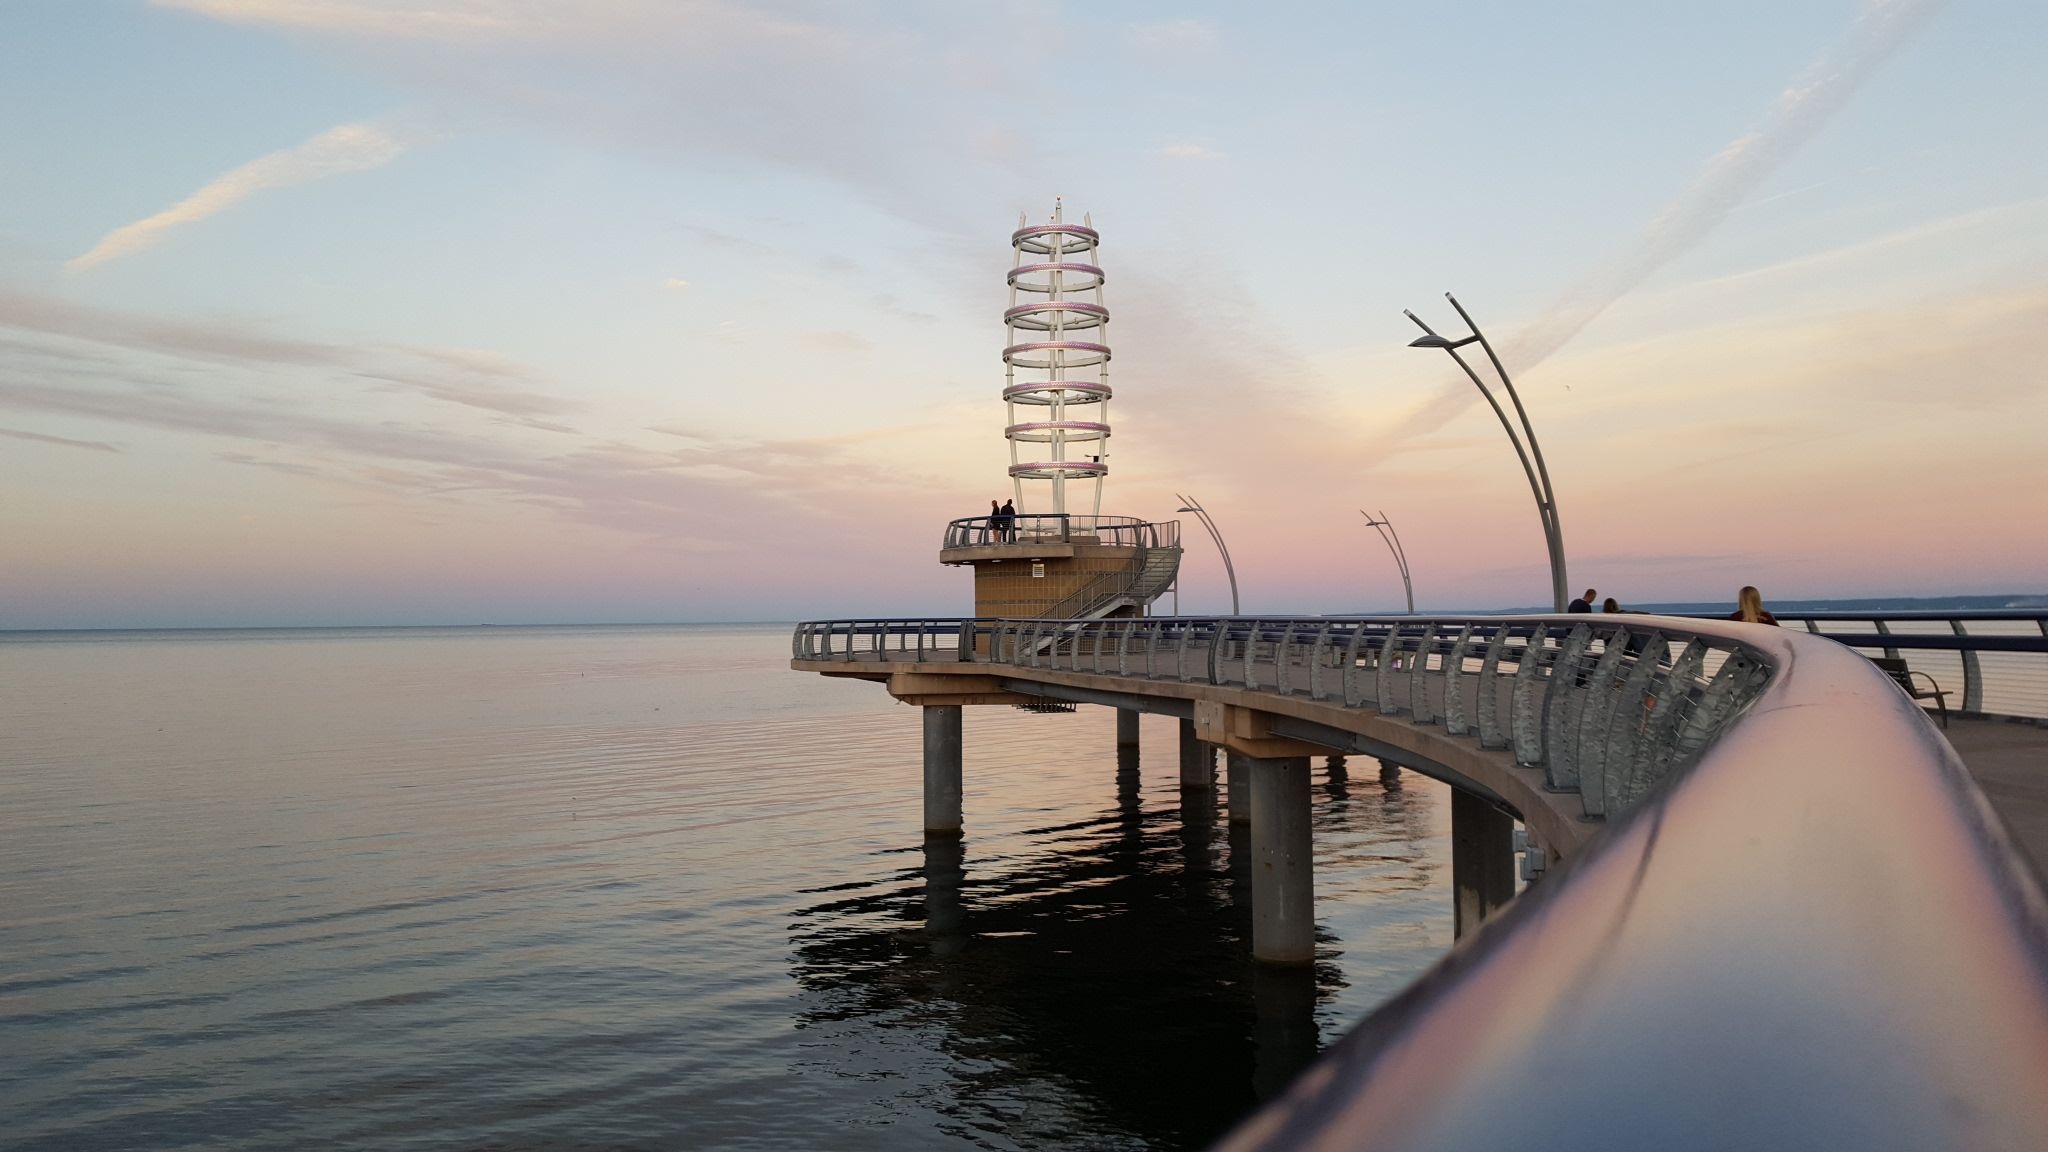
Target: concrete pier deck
(2010,763)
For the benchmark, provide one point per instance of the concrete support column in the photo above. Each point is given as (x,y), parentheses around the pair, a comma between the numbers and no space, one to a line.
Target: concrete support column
(1126,728)
(1237,776)
(1283,868)
(942,769)
(1482,860)
(1197,759)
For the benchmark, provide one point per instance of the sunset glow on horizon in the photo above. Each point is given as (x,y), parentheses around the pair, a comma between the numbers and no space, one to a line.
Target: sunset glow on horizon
(363,312)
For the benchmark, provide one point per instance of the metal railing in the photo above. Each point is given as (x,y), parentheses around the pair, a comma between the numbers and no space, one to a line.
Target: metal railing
(1608,708)
(1062,528)
(1990,660)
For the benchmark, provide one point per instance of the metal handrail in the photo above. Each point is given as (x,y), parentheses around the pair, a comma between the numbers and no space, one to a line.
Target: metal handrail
(1970,634)
(1036,528)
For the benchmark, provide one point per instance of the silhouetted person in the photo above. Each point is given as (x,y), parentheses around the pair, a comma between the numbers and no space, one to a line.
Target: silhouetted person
(993,531)
(1008,514)
(1583,603)
(1610,605)
(1749,607)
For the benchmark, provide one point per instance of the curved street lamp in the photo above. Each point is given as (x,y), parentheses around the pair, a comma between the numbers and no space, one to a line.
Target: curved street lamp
(1538,474)
(1393,539)
(1190,504)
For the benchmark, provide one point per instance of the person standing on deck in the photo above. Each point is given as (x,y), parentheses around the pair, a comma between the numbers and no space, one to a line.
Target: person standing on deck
(993,530)
(1008,516)
(1749,607)
(1583,603)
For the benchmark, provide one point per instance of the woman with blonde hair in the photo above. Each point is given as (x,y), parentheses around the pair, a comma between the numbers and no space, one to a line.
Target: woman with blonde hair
(1749,607)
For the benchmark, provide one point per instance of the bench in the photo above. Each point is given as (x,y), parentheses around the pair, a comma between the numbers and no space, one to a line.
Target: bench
(1903,677)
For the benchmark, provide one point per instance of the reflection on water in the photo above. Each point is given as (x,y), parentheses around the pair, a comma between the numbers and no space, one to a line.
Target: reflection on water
(634,888)
(1113,962)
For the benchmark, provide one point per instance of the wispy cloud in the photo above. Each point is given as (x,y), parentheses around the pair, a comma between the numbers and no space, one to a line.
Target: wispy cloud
(346,148)
(1735,172)
(862,96)
(446,20)
(63,441)
(1727,179)
(456,376)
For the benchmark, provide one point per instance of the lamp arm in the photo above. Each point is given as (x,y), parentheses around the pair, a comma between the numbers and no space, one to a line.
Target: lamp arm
(1528,429)
(1549,497)
(1539,491)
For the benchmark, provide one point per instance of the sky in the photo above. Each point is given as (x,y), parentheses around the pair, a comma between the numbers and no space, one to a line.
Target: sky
(465,311)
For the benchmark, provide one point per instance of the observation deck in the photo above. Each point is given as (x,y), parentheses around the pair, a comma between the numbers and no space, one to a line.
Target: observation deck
(1064,566)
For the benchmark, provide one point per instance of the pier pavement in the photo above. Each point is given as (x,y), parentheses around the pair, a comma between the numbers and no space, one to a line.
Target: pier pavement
(2009,761)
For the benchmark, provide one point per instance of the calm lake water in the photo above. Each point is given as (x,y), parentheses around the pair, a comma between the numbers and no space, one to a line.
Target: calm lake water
(634,888)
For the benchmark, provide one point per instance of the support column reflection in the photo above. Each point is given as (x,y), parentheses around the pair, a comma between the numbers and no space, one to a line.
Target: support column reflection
(945,914)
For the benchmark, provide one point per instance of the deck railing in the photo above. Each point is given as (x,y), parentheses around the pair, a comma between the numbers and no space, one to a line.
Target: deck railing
(1062,528)
(1989,661)
(1607,708)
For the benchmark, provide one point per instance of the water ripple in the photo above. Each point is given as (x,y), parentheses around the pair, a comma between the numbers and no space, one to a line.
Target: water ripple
(633,888)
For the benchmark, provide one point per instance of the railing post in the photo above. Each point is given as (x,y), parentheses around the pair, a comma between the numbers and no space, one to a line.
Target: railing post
(1319,655)
(1561,767)
(1973,674)
(1526,720)
(1283,658)
(1349,680)
(1590,718)
(1488,691)
(1383,675)
(1628,723)
(1655,754)
(1418,678)
(1456,722)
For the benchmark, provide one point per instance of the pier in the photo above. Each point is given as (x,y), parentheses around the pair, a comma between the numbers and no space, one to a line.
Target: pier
(1674,799)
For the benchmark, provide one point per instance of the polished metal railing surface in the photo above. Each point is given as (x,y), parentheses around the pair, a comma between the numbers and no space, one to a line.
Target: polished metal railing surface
(1060,528)
(1802,925)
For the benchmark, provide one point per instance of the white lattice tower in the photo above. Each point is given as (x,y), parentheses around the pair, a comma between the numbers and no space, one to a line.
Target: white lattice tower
(1056,293)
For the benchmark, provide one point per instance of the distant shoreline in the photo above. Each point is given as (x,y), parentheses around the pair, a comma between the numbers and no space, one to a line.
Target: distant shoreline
(2017,601)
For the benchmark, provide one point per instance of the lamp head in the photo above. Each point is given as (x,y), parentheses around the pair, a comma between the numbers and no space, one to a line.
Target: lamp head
(1432,340)
(1184,508)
